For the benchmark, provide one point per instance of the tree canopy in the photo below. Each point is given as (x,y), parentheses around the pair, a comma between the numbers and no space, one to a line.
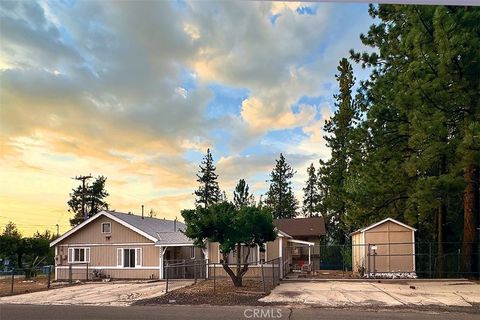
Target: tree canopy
(230,227)
(93,199)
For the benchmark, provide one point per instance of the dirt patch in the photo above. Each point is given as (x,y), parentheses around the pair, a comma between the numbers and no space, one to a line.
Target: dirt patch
(202,293)
(22,285)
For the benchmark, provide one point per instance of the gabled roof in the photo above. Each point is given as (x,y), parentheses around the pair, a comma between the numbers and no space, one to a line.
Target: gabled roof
(381,222)
(157,230)
(301,227)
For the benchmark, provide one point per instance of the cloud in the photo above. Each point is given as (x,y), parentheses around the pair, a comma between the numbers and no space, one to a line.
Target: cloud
(100,87)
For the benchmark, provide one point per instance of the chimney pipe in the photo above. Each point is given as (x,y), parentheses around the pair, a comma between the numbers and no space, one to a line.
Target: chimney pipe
(175,225)
(142,211)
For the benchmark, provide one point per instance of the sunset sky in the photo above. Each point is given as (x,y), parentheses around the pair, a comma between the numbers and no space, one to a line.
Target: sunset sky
(137,91)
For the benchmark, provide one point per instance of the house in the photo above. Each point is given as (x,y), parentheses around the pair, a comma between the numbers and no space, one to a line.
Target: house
(307,233)
(127,246)
(387,246)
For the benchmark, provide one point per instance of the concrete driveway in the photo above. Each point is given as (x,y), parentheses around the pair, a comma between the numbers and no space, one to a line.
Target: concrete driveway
(374,294)
(96,294)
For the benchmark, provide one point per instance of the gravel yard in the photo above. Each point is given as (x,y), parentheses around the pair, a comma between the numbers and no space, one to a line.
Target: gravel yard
(202,293)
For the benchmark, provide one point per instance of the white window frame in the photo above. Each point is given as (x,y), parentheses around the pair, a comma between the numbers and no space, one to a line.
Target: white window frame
(71,254)
(101,227)
(138,257)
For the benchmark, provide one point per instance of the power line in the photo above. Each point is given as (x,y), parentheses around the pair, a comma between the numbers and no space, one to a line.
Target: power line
(83,179)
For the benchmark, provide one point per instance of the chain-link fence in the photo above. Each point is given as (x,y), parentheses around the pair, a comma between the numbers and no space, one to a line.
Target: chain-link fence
(17,281)
(268,273)
(420,259)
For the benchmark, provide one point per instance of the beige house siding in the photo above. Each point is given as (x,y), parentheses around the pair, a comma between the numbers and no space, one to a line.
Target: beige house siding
(394,253)
(254,271)
(102,248)
(92,233)
(272,248)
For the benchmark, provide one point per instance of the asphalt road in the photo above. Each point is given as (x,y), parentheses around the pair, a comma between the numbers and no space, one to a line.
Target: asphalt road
(34,312)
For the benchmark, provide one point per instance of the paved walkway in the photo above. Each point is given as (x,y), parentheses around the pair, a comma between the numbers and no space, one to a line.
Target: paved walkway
(374,294)
(96,294)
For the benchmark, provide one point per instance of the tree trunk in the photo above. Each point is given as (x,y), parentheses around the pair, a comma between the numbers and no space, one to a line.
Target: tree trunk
(470,212)
(237,278)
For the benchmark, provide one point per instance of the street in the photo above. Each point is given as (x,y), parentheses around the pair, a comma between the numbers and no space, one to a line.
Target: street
(54,312)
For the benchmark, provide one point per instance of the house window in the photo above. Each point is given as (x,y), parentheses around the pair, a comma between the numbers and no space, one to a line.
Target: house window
(78,255)
(106,227)
(129,258)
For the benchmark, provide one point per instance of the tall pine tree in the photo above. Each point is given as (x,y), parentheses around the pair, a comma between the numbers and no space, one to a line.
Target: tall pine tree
(311,194)
(208,192)
(280,197)
(333,173)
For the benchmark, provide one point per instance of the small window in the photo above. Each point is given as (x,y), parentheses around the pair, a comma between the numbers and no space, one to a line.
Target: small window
(129,258)
(78,255)
(106,227)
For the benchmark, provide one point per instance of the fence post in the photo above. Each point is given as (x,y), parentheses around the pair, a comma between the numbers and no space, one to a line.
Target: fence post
(343,261)
(214,278)
(263,278)
(166,278)
(206,269)
(368,262)
(183,268)
(430,260)
(70,273)
(273,273)
(49,276)
(195,270)
(13,280)
(87,272)
(458,262)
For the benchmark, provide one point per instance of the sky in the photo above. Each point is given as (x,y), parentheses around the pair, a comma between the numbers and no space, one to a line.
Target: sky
(137,92)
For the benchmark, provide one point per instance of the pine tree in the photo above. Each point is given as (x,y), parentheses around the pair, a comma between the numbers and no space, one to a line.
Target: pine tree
(208,192)
(280,198)
(311,194)
(242,196)
(95,195)
(422,114)
(334,172)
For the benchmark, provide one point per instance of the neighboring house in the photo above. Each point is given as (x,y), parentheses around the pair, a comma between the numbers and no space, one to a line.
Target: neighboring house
(307,233)
(127,246)
(387,246)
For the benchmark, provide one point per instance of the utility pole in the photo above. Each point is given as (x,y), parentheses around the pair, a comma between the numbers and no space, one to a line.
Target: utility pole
(83,179)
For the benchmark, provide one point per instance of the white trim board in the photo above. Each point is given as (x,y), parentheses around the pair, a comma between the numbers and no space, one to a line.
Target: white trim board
(175,245)
(383,221)
(107,244)
(107,267)
(107,214)
(301,242)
